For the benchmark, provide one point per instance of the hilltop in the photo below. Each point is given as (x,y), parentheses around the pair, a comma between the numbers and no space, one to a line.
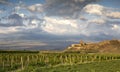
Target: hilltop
(106,46)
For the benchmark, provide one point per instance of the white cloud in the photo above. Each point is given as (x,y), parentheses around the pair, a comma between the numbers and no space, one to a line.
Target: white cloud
(22,15)
(33,24)
(115,27)
(113,14)
(97,9)
(97,21)
(36,8)
(18,23)
(4,30)
(94,9)
(62,21)
(60,26)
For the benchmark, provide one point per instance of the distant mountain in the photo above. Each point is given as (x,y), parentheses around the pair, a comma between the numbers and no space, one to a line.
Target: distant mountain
(106,46)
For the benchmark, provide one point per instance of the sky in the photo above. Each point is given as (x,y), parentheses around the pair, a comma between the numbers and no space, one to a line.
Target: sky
(55,24)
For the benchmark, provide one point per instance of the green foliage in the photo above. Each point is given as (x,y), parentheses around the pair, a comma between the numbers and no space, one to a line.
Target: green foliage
(109,66)
(30,61)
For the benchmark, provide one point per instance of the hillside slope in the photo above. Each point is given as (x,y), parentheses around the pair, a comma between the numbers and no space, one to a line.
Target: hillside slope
(106,46)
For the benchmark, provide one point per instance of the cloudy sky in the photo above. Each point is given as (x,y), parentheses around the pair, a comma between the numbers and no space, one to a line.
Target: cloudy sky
(55,24)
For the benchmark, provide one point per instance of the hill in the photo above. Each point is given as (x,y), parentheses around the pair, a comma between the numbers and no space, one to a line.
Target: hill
(106,46)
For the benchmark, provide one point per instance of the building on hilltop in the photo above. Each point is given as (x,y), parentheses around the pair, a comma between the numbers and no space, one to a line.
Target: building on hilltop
(77,46)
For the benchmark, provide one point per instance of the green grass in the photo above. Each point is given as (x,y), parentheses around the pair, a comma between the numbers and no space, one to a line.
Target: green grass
(109,66)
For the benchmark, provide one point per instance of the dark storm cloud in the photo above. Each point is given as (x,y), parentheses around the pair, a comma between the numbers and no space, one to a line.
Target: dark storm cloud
(5,2)
(69,8)
(113,22)
(17,20)
(7,25)
(12,20)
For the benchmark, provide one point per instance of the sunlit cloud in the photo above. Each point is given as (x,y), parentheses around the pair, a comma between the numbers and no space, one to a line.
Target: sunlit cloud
(94,9)
(114,15)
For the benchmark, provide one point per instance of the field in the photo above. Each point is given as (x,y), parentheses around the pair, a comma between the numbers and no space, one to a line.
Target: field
(34,61)
(108,66)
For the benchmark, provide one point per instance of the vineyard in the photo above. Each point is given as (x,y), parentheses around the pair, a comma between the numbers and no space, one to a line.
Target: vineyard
(14,61)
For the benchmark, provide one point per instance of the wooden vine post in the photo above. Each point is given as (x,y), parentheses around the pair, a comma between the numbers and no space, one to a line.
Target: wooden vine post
(22,66)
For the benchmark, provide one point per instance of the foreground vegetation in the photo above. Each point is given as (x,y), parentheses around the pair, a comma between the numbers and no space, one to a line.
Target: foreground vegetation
(106,66)
(43,61)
